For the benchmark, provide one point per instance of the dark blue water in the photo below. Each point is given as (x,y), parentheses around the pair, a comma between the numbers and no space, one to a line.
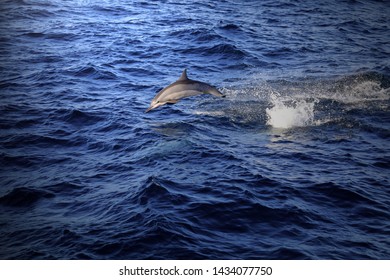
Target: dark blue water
(292,164)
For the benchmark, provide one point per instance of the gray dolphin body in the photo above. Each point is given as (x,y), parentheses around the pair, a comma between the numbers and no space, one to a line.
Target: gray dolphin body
(182,88)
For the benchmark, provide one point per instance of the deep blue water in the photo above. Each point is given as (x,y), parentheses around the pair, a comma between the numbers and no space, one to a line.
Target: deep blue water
(292,164)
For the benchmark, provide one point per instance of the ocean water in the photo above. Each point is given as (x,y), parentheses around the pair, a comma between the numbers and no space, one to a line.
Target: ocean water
(292,164)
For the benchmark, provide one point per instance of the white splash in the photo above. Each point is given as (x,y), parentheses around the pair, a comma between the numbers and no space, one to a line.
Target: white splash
(290,113)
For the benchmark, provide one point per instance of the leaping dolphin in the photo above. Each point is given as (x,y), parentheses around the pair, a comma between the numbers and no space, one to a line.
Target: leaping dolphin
(182,88)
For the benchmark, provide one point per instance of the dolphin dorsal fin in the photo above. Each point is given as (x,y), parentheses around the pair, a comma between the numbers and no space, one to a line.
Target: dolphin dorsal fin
(183,76)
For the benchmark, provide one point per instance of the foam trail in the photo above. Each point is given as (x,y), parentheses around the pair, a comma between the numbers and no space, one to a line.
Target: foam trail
(290,113)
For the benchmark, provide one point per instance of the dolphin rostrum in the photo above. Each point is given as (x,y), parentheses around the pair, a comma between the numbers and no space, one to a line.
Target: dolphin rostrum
(182,88)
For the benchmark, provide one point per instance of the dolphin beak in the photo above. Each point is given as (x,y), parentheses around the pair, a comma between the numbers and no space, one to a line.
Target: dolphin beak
(153,106)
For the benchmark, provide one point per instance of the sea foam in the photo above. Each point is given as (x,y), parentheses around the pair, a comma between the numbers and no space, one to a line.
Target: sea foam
(289,113)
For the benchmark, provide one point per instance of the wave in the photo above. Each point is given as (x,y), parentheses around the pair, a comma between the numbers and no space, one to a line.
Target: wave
(93,72)
(51,36)
(222,50)
(24,197)
(80,117)
(199,35)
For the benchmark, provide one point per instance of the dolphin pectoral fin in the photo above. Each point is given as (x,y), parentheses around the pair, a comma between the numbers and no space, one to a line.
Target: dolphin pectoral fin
(173,101)
(153,106)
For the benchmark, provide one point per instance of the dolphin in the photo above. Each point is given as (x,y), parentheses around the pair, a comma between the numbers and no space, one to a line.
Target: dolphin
(182,88)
